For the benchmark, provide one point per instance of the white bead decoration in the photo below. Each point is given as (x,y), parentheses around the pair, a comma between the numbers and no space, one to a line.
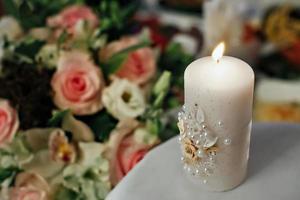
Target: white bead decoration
(198,134)
(201,153)
(227,141)
(220,123)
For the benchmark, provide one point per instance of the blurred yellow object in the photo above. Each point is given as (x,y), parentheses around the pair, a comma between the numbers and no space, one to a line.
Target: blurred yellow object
(280,28)
(277,112)
(277,100)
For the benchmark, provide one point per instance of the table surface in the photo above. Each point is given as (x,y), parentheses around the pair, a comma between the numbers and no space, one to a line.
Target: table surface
(273,171)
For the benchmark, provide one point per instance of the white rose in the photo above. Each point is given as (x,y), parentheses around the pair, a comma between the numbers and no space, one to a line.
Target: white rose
(124,99)
(48,56)
(10,28)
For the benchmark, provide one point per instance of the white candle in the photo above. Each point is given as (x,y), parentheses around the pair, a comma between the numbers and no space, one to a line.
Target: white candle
(215,125)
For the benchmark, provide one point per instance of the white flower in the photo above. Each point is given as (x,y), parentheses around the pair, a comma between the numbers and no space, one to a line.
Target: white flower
(124,99)
(48,56)
(10,28)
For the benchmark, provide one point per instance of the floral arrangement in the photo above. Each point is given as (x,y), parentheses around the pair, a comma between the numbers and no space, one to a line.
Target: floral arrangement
(280,30)
(82,97)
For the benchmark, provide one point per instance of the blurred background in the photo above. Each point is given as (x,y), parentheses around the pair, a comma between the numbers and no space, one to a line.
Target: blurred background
(264,33)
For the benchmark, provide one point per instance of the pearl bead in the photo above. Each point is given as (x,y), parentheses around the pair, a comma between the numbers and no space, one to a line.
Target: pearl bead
(197,171)
(205,134)
(204,181)
(207,171)
(198,142)
(182,158)
(227,141)
(185,166)
(200,153)
(204,126)
(179,138)
(220,123)
(179,116)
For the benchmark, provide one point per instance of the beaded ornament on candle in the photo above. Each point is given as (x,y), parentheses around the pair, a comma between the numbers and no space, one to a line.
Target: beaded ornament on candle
(198,142)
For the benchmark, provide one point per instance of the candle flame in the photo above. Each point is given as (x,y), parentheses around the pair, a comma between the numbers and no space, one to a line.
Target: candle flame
(218,52)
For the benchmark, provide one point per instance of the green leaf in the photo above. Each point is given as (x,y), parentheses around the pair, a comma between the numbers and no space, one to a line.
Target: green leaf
(116,60)
(116,17)
(163,83)
(26,7)
(57,118)
(154,126)
(11,7)
(62,38)
(175,60)
(65,194)
(29,48)
(112,65)
(159,100)
(101,123)
(6,173)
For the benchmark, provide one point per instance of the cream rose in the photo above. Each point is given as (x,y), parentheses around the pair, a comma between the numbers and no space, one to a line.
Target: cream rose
(9,122)
(10,28)
(140,64)
(124,99)
(77,84)
(48,56)
(30,186)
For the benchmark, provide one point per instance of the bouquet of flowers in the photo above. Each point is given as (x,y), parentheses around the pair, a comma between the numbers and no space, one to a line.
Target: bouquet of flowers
(82,97)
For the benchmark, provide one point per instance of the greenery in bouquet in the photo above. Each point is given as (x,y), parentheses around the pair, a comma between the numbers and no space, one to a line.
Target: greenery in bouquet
(82,97)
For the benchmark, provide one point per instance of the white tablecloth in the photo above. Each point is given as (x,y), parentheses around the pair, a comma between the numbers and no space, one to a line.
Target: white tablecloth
(274,171)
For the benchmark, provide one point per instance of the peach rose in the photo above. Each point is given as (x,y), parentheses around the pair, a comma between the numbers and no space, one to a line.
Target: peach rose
(140,65)
(30,186)
(77,84)
(70,16)
(9,122)
(125,151)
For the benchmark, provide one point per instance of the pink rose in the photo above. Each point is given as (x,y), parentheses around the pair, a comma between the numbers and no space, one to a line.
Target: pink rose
(27,193)
(30,186)
(124,150)
(77,84)
(9,122)
(140,65)
(68,18)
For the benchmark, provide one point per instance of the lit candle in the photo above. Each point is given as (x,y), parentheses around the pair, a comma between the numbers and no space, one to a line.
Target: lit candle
(215,123)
